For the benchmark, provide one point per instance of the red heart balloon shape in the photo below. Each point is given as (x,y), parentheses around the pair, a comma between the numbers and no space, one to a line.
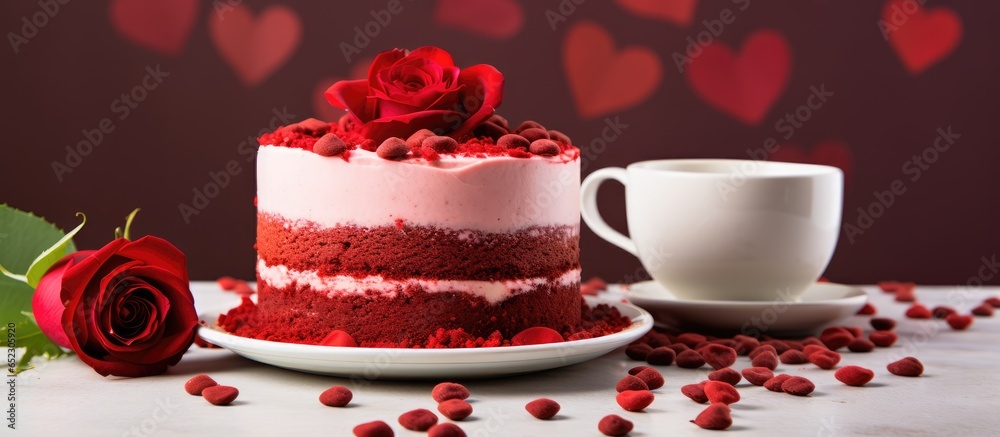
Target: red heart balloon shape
(496,19)
(321,106)
(256,47)
(603,79)
(744,86)
(921,38)
(163,27)
(680,12)
(829,152)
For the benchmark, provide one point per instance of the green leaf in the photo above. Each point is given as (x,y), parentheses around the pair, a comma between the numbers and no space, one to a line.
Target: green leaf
(22,237)
(52,254)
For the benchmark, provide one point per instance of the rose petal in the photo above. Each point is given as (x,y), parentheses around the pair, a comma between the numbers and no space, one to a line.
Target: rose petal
(156,251)
(402,126)
(47,304)
(482,95)
(352,95)
(435,54)
(382,61)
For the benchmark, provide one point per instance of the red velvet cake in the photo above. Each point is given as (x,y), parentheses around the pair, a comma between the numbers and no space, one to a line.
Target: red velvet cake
(419,219)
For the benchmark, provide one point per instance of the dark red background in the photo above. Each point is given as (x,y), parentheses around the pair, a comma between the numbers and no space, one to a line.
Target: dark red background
(66,77)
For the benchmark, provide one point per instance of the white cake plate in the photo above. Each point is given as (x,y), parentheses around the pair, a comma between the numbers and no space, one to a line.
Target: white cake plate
(394,363)
(822,304)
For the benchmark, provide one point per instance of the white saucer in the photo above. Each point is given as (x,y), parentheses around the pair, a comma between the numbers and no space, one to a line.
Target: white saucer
(820,305)
(389,363)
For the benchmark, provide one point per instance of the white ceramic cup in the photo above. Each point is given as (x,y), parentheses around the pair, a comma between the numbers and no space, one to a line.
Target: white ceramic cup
(714,229)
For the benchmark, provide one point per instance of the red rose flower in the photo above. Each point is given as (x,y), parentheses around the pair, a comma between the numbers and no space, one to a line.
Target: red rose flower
(126,309)
(422,89)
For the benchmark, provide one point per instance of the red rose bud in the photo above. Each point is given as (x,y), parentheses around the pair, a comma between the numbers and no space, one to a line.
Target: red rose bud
(445,430)
(542,408)
(336,396)
(614,425)
(377,428)
(715,417)
(536,335)
(418,420)
(128,306)
(455,409)
(798,386)
(446,98)
(338,338)
(449,390)
(854,375)
(199,383)
(220,394)
(634,400)
(908,366)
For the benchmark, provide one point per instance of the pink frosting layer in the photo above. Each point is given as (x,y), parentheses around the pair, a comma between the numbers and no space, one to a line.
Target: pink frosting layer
(492,194)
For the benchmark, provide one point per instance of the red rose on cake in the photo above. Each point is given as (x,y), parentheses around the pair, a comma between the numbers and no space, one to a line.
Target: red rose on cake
(125,309)
(422,89)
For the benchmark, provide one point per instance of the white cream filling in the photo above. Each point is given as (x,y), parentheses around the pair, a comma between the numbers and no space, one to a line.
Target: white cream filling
(492,291)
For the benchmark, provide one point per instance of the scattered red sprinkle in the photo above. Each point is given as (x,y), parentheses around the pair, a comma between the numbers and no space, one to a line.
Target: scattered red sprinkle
(778,345)
(661,356)
(533,134)
(854,375)
(690,339)
(542,408)
(918,311)
(455,409)
(227,283)
(883,338)
(696,392)
(338,338)
(983,310)
(639,351)
(195,385)
(745,344)
(959,322)
(449,390)
(765,359)
(440,144)
(893,286)
(798,386)
(377,428)
(942,312)
(630,382)
(336,396)
(867,310)
(718,356)
(536,335)
(634,400)
(715,416)
(908,366)
(836,337)
(445,429)
(883,324)
(761,349)
(727,375)
(392,148)
(993,301)
(690,359)
(757,375)
(420,419)
(220,394)
(856,331)
(717,391)
(861,344)
(793,356)
(905,295)
(329,145)
(678,347)
(812,348)
(774,384)
(635,370)
(656,339)
(825,359)
(614,425)
(651,377)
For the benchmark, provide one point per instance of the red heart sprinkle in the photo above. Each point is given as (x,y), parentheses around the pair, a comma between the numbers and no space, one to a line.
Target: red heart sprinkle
(983,310)
(757,375)
(336,396)
(338,338)
(727,375)
(854,375)
(883,324)
(696,392)
(812,348)
(542,408)
(867,310)
(993,301)
(883,338)
(774,384)
(630,382)
(861,344)
(195,385)
(536,335)
(455,409)
(765,359)
(420,419)
(377,428)
(918,311)
(635,370)
(959,322)
(329,145)
(798,386)
(825,359)
(449,390)
(905,295)
(717,391)
(690,359)
(908,366)
(635,400)
(614,425)
(793,356)
(220,394)
(761,349)
(445,430)
(718,356)
(778,345)
(716,416)
(690,339)
(651,377)
(941,312)
(638,352)
(661,356)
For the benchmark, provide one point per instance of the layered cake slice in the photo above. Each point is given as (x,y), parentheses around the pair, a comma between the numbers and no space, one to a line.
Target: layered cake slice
(419,219)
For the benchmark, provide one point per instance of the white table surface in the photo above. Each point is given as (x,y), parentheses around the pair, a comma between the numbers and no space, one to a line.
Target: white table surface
(956,396)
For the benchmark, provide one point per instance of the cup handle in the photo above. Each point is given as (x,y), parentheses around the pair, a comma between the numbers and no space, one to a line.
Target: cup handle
(588,207)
